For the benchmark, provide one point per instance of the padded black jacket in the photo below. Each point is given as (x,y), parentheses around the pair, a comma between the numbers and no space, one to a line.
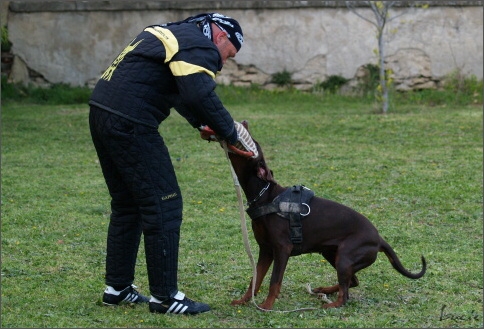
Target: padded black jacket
(164,68)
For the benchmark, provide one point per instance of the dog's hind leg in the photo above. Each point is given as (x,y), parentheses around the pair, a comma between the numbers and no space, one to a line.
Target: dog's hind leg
(326,290)
(345,278)
(263,264)
(332,289)
(330,255)
(348,262)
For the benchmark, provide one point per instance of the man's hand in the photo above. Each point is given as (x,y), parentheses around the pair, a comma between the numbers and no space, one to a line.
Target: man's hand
(207,133)
(244,146)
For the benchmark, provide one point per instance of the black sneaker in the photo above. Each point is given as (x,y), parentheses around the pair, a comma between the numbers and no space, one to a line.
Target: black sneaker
(127,295)
(179,305)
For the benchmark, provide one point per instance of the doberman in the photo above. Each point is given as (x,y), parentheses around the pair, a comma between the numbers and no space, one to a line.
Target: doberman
(344,237)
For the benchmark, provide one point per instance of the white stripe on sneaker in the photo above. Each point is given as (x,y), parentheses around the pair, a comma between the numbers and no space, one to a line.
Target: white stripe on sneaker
(178,308)
(172,307)
(131,297)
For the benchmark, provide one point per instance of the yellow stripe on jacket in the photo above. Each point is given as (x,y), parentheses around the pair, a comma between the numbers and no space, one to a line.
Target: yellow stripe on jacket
(168,40)
(181,68)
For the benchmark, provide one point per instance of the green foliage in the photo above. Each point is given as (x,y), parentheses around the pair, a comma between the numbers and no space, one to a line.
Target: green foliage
(457,90)
(456,82)
(282,79)
(370,81)
(415,173)
(60,93)
(333,83)
(6,44)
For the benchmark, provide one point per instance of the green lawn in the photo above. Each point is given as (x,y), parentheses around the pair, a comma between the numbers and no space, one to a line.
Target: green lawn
(416,173)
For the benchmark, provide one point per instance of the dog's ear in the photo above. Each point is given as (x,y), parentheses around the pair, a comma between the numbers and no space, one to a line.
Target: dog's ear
(245,123)
(264,173)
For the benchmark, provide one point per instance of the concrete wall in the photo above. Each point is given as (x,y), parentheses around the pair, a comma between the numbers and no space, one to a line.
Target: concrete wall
(74,41)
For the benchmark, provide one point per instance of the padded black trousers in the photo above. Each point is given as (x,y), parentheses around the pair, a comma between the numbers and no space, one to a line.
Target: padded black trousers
(145,198)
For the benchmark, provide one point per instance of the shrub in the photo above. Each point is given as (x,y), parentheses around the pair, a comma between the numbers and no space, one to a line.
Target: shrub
(457,89)
(333,83)
(282,79)
(6,44)
(370,81)
(458,82)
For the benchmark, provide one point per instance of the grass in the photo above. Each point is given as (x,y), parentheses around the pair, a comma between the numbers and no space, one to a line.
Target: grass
(55,94)
(416,173)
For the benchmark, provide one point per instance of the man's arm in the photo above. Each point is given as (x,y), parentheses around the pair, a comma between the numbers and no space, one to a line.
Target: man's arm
(194,71)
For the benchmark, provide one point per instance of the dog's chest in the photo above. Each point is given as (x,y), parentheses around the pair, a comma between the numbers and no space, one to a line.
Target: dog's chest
(290,206)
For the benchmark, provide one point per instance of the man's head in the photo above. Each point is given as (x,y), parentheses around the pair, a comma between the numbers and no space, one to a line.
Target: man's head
(209,23)
(230,26)
(224,31)
(222,41)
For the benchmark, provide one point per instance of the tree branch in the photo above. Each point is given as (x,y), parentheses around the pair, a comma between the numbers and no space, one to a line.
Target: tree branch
(349,5)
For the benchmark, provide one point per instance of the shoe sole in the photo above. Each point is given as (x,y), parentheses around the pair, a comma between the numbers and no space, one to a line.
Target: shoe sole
(123,303)
(174,313)
(186,313)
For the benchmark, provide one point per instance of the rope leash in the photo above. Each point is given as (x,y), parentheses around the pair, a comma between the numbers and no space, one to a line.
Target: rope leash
(243,222)
(245,236)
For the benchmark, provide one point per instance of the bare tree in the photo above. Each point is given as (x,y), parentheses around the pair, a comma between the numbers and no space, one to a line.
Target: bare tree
(380,10)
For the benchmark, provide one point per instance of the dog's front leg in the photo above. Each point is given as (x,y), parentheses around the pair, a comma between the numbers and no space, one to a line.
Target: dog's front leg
(263,264)
(281,257)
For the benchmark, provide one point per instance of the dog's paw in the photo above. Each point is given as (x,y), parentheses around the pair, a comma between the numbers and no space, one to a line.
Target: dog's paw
(265,306)
(332,305)
(236,302)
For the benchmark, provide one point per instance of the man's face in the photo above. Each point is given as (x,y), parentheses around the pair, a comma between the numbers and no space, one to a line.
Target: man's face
(225,47)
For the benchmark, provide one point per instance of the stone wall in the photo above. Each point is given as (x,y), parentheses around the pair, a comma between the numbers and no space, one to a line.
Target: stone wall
(74,41)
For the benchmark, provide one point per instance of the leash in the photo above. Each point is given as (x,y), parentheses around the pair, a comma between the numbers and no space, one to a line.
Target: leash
(243,223)
(245,235)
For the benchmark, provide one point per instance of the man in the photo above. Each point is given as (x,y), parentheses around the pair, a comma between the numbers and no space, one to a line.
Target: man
(165,66)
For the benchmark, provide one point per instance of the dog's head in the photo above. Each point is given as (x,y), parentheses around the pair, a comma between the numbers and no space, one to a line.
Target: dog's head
(252,166)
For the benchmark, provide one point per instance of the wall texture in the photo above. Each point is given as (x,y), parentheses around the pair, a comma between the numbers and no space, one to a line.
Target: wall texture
(74,41)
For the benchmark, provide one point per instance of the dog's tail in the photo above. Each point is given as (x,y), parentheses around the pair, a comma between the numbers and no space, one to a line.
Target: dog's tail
(392,256)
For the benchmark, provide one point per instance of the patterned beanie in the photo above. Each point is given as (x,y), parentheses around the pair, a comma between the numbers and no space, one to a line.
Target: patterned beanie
(225,23)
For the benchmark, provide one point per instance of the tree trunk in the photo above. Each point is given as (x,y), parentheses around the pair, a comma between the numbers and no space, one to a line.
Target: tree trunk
(383,80)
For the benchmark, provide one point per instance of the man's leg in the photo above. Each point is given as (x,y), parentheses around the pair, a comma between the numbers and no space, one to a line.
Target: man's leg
(124,230)
(161,214)
(160,205)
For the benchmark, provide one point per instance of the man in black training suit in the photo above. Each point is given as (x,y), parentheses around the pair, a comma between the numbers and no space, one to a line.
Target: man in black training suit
(166,66)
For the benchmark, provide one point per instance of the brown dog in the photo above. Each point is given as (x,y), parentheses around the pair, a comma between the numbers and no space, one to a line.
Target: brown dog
(347,239)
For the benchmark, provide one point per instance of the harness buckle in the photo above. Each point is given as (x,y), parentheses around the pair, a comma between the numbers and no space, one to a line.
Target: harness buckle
(309,210)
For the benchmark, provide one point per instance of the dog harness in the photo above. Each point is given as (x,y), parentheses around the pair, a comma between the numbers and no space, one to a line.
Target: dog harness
(292,204)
